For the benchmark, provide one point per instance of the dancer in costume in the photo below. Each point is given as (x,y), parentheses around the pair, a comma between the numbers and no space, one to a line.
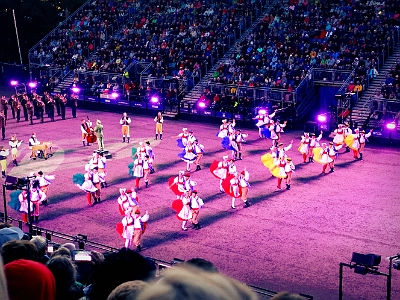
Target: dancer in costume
(363,138)
(191,137)
(223,129)
(281,151)
(125,202)
(321,156)
(23,201)
(188,155)
(268,160)
(199,151)
(185,213)
(138,169)
(234,189)
(356,142)
(147,162)
(177,184)
(314,142)
(183,138)
(332,152)
(196,203)
(304,147)
(347,131)
(159,125)
(188,184)
(139,225)
(141,150)
(14,144)
(3,160)
(240,139)
(87,185)
(133,228)
(263,123)
(231,126)
(231,167)
(96,179)
(94,161)
(37,197)
(220,169)
(244,186)
(338,136)
(280,162)
(279,129)
(125,122)
(229,143)
(44,183)
(289,169)
(102,164)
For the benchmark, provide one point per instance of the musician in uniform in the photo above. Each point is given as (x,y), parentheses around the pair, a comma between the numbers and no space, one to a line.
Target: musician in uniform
(74,104)
(57,103)
(63,103)
(3,160)
(3,122)
(29,109)
(11,103)
(99,134)
(50,108)
(17,108)
(125,121)
(159,124)
(14,144)
(4,105)
(40,107)
(24,100)
(85,129)
(32,142)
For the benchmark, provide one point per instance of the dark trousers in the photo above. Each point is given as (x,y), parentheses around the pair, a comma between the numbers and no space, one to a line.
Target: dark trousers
(73,111)
(63,112)
(3,132)
(18,115)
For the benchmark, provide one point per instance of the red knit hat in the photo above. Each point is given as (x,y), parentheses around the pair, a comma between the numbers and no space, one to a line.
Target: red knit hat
(27,279)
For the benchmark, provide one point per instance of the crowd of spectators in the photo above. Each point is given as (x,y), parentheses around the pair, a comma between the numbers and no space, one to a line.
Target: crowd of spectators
(31,272)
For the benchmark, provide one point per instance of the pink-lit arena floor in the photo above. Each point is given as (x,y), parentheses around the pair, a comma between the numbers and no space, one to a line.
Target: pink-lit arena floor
(287,240)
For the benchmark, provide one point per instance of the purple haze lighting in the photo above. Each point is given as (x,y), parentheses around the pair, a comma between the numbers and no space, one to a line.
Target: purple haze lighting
(154,99)
(114,95)
(75,90)
(202,104)
(13,82)
(262,112)
(321,118)
(391,126)
(32,85)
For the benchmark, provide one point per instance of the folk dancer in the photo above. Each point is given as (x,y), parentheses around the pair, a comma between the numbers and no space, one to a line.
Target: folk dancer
(332,152)
(196,203)
(32,142)
(125,201)
(321,156)
(314,142)
(183,138)
(146,169)
(357,141)
(363,138)
(101,164)
(14,144)
(85,129)
(188,184)
(279,129)
(188,155)
(280,162)
(138,169)
(338,139)
(304,147)
(244,185)
(234,189)
(240,139)
(177,184)
(347,130)
(231,167)
(231,126)
(220,171)
(199,151)
(99,134)
(263,121)
(94,161)
(128,229)
(191,137)
(159,125)
(44,183)
(223,129)
(37,197)
(88,186)
(141,150)
(151,156)
(139,225)
(125,122)
(23,208)
(3,160)
(96,182)
(281,151)
(185,213)
(289,169)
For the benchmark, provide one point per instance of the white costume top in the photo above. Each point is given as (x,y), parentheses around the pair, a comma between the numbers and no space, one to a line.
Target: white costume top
(347,131)
(198,148)
(102,162)
(191,138)
(14,144)
(189,184)
(180,181)
(23,200)
(289,167)
(88,124)
(37,196)
(231,168)
(138,220)
(240,137)
(339,136)
(33,141)
(159,120)
(4,153)
(125,121)
(235,187)
(364,136)
(138,168)
(305,144)
(282,152)
(185,213)
(279,127)
(128,223)
(271,128)
(244,179)
(45,180)
(125,202)
(314,141)
(196,202)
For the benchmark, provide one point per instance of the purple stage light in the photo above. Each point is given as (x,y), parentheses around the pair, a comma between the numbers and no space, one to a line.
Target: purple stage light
(391,126)
(262,112)
(114,95)
(154,99)
(202,105)
(75,90)
(14,82)
(32,85)
(321,118)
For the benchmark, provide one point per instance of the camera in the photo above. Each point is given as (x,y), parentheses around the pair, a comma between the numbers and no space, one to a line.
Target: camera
(81,255)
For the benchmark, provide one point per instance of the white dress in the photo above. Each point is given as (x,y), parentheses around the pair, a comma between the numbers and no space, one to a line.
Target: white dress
(185,213)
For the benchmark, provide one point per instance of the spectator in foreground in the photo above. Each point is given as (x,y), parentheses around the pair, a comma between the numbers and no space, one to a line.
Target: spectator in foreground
(287,296)
(18,249)
(190,283)
(128,290)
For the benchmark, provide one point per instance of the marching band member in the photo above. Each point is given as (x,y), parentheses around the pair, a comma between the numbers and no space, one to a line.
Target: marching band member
(304,147)
(362,140)
(185,214)
(183,138)
(139,225)
(37,197)
(347,131)
(125,201)
(220,170)
(240,139)
(196,203)
(234,188)
(44,183)
(85,129)
(23,201)
(188,184)
(188,155)
(159,124)
(3,160)
(14,144)
(32,142)
(101,164)
(138,169)
(198,150)
(338,136)
(244,185)
(314,142)
(289,169)
(223,129)
(125,121)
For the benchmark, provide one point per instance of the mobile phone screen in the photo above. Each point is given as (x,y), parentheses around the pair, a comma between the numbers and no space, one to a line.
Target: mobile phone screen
(81,255)
(50,249)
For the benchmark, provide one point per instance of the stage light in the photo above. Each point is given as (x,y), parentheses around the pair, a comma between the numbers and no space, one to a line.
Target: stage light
(154,99)
(75,90)
(32,85)
(201,105)
(391,125)
(114,95)
(262,112)
(368,260)
(14,82)
(322,118)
